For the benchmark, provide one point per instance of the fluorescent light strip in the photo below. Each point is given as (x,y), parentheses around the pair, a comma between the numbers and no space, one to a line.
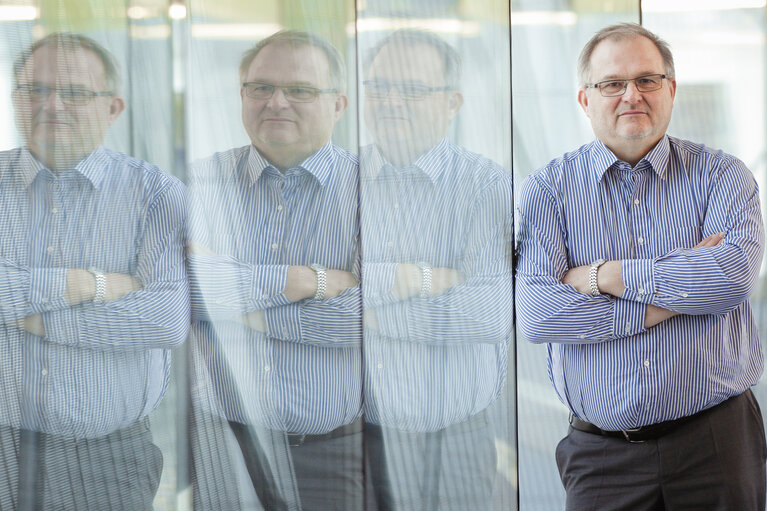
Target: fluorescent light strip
(700,5)
(237,31)
(18,13)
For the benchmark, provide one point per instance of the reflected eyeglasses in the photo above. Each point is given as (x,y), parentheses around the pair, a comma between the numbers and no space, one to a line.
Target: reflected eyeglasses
(293,93)
(71,96)
(645,83)
(380,89)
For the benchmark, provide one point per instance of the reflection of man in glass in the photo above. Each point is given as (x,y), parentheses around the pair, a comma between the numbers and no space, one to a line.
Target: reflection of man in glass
(93,288)
(638,253)
(277,309)
(436,227)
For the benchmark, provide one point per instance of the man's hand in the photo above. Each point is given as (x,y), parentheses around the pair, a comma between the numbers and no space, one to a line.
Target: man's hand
(119,285)
(253,320)
(302,283)
(33,324)
(408,280)
(195,248)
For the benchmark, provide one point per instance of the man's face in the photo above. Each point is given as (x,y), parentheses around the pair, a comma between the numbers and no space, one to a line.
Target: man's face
(61,134)
(633,123)
(287,133)
(406,128)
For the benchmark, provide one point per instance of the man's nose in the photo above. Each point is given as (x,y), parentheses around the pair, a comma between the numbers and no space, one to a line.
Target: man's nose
(632,93)
(278,100)
(53,101)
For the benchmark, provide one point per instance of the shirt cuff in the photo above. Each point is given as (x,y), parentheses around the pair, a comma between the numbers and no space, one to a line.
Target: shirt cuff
(629,318)
(639,280)
(284,322)
(378,283)
(47,287)
(62,327)
(269,284)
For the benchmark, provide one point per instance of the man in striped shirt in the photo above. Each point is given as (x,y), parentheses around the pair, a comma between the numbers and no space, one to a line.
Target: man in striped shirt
(93,291)
(275,300)
(637,255)
(436,231)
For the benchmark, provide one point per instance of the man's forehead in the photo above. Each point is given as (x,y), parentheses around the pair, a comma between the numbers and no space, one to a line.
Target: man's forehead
(295,63)
(62,62)
(402,61)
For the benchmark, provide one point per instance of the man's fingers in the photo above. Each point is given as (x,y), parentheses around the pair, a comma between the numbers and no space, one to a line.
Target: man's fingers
(711,241)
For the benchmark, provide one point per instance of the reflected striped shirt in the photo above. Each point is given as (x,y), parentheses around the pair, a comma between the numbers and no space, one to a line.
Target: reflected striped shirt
(436,361)
(303,375)
(100,367)
(605,366)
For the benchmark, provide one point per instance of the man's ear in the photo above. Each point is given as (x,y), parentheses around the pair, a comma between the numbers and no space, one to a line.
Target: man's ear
(583,100)
(454,104)
(340,106)
(116,107)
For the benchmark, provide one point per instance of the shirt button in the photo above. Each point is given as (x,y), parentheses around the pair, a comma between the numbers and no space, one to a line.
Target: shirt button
(396,206)
(640,291)
(640,240)
(389,243)
(55,210)
(647,363)
(267,369)
(50,250)
(684,295)
(636,202)
(44,372)
(380,366)
(274,246)
(582,336)
(279,207)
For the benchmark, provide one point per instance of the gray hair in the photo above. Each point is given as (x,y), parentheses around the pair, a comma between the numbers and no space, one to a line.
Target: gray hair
(298,38)
(451,60)
(70,41)
(617,33)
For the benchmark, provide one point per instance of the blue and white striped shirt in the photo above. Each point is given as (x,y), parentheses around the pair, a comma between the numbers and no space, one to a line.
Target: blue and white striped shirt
(605,366)
(100,367)
(304,374)
(433,362)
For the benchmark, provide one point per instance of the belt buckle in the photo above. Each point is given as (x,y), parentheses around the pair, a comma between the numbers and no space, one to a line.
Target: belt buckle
(627,435)
(295,440)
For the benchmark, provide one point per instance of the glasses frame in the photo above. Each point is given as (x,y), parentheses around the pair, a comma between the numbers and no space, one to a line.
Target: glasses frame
(85,99)
(626,81)
(393,85)
(284,88)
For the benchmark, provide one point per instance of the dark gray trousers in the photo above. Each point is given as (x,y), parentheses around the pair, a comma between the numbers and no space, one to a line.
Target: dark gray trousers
(120,471)
(715,462)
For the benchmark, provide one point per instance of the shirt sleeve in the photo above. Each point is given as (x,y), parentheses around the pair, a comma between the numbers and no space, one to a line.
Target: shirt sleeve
(25,290)
(334,322)
(713,280)
(477,311)
(548,310)
(157,315)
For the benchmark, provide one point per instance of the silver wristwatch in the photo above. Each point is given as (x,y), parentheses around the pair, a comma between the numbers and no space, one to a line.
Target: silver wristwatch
(322,280)
(101,285)
(425,279)
(593,276)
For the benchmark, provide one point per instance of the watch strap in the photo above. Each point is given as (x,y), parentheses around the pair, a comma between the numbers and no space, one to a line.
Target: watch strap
(100,294)
(322,280)
(593,269)
(426,278)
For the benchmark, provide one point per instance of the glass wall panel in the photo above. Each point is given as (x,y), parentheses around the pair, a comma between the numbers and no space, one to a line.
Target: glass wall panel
(436,208)
(92,271)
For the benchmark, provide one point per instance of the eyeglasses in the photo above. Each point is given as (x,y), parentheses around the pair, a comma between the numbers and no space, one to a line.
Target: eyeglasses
(71,96)
(379,89)
(293,93)
(646,83)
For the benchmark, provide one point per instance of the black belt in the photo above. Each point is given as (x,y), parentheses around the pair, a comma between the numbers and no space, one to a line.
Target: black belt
(297,439)
(643,434)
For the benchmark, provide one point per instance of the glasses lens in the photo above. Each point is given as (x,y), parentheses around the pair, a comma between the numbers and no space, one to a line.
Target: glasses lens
(377,90)
(77,97)
(649,83)
(412,91)
(300,94)
(614,88)
(259,90)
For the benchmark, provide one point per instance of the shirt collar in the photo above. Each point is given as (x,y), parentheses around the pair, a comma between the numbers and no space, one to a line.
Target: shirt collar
(319,164)
(432,163)
(602,158)
(92,167)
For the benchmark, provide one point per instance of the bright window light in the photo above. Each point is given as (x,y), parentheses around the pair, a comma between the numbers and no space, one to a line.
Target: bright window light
(18,13)
(700,5)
